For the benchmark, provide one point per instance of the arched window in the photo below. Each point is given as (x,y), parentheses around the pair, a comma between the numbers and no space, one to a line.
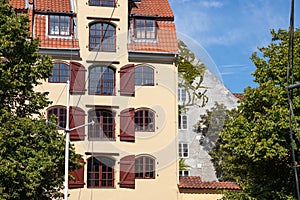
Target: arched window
(60,73)
(101,81)
(100,172)
(102,37)
(143,75)
(60,112)
(144,120)
(144,167)
(105,3)
(104,127)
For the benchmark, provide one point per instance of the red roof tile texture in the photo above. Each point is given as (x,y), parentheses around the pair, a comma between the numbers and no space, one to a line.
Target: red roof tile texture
(53,5)
(17,4)
(160,8)
(195,182)
(239,96)
(166,40)
(46,42)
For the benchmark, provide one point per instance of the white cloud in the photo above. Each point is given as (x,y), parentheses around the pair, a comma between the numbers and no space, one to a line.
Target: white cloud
(212,4)
(233,66)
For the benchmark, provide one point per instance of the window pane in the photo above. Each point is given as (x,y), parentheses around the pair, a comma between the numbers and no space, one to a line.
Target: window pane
(60,73)
(145,29)
(143,75)
(104,126)
(102,37)
(144,120)
(101,81)
(107,3)
(183,150)
(59,25)
(60,113)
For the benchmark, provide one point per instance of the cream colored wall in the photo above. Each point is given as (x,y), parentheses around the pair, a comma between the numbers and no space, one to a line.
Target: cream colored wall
(119,12)
(161,98)
(185,196)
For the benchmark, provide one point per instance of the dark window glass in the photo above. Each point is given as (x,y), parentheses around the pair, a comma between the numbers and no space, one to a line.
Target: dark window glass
(101,81)
(182,122)
(144,120)
(183,150)
(102,37)
(100,173)
(144,167)
(104,127)
(60,73)
(145,29)
(60,113)
(104,3)
(59,25)
(143,75)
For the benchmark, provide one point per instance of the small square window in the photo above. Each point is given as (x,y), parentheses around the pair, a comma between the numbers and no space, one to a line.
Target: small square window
(182,122)
(59,25)
(145,29)
(183,150)
(181,95)
(104,3)
(184,173)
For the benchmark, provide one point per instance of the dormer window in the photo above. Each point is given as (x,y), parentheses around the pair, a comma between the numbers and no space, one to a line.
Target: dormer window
(104,3)
(145,29)
(59,25)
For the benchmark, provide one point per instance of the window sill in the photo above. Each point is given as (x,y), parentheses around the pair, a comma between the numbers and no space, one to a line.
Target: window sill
(145,40)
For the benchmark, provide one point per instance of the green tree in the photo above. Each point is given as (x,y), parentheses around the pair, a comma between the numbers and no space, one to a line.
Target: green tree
(31,153)
(191,72)
(211,124)
(254,148)
(18,54)
(182,165)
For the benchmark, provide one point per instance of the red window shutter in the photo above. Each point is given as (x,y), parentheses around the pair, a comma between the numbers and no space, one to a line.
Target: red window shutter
(127,132)
(127,172)
(77,82)
(78,175)
(77,118)
(127,80)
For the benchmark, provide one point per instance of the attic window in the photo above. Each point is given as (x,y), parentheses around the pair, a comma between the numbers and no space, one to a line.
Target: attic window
(59,25)
(145,29)
(104,3)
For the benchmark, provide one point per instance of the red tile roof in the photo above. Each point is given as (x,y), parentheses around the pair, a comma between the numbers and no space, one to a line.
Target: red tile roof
(166,40)
(195,182)
(46,42)
(160,8)
(53,5)
(18,4)
(239,96)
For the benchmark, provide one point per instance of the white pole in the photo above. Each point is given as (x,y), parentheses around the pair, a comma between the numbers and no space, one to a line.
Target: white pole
(67,131)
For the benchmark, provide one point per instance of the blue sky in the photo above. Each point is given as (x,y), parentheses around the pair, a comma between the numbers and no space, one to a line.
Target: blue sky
(225,33)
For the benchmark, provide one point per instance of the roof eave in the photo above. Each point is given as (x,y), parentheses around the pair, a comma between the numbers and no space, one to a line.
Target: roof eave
(61,53)
(144,56)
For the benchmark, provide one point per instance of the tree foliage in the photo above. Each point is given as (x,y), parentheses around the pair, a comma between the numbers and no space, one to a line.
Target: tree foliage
(211,124)
(254,148)
(18,54)
(31,153)
(191,72)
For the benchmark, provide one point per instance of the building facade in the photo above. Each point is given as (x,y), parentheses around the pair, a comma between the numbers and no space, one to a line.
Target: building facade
(119,56)
(194,144)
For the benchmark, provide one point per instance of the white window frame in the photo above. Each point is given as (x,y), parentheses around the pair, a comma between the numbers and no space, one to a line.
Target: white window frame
(183,122)
(182,94)
(57,29)
(183,148)
(145,28)
(184,172)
